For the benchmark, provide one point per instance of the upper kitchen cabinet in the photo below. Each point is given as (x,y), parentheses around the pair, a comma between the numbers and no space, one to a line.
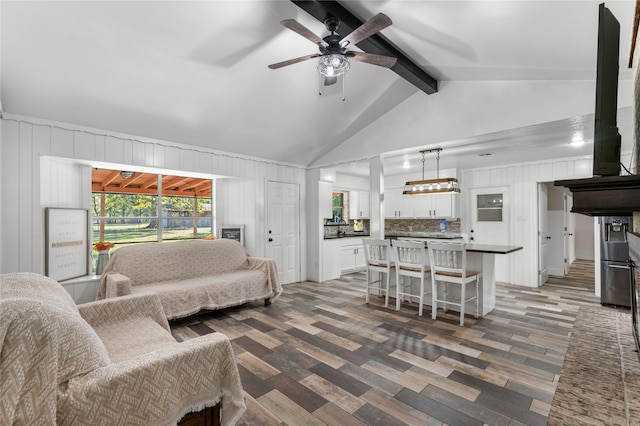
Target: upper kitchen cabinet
(359,204)
(353,181)
(438,206)
(325,190)
(434,206)
(428,206)
(397,205)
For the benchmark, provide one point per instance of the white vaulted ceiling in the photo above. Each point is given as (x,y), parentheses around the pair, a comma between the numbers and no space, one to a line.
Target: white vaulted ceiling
(196,73)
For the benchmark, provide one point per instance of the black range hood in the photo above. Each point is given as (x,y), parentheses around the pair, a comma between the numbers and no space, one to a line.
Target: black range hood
(604,195)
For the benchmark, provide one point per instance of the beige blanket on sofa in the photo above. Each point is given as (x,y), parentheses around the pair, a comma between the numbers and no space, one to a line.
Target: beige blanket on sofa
(55,368)
(190,276)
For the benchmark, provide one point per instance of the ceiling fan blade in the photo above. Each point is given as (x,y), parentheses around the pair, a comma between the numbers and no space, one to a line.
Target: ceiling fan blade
(371,58)
(297,27)
(293,61)
(328,81)
(367,29)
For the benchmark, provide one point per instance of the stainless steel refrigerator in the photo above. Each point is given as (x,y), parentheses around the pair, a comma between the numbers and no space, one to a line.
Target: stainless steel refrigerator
(615,274)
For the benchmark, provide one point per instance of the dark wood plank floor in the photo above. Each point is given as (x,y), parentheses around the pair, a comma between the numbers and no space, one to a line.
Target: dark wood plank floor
(321,356)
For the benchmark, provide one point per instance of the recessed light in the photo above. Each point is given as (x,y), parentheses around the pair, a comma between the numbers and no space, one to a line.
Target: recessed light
(577,139)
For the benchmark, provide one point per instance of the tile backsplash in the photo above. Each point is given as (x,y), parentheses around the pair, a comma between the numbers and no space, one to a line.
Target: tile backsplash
(332,230)
(392,226)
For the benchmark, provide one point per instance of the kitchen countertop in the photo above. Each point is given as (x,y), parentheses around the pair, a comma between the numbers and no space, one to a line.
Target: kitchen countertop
(492,248)
(341,237)
(440,235)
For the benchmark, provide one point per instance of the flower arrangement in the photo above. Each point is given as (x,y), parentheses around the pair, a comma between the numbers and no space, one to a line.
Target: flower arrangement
(103,245)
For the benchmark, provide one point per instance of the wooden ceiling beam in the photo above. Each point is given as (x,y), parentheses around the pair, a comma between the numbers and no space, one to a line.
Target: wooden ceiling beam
(123,190)
(129,182)
(168,181)
(194,184)
(110,181)
(110,178)
(153,181)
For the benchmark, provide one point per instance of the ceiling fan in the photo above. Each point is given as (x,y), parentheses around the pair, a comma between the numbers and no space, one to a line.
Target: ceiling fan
(333,48)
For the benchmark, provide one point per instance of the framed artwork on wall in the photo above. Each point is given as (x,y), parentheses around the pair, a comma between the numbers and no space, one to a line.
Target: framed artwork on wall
(67,243)
(232,232)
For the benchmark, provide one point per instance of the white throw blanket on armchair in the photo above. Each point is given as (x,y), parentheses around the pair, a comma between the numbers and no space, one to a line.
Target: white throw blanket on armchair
(108,362)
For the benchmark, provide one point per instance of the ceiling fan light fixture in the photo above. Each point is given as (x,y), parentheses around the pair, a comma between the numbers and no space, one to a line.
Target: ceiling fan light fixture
(127,175)
(333,65)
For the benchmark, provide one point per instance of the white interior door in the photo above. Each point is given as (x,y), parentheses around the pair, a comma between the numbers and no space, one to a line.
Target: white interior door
(283,229)
(489,223)
(568,235)
(543,235)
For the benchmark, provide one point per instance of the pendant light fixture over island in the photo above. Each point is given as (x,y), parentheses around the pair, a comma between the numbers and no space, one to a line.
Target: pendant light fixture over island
(432,186)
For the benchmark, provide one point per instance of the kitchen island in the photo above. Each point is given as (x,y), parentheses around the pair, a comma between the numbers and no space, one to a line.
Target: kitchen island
(345,254)
(481,258)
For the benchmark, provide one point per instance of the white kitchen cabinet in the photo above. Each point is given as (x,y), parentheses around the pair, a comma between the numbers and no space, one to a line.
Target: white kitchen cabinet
(331,258)
(351,257)
(397,205)
(364,207)
(325,190)
(347,258)
(434,206)
(359,202)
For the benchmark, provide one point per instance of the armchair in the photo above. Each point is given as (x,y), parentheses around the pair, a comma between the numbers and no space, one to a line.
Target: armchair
(111,361)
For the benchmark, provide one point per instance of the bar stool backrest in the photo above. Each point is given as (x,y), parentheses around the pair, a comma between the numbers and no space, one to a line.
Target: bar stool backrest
(377,252)
(448,258)
(411,255)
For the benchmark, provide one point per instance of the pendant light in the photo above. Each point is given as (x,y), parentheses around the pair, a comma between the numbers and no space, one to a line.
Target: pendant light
(432,186)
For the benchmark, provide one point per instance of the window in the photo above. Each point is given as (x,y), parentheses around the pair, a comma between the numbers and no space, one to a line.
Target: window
(489,207)
(125,207)
(340,206)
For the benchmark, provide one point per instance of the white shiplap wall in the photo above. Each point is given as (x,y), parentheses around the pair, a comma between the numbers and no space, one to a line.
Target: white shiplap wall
(62,184)
(522,180)
(47,164)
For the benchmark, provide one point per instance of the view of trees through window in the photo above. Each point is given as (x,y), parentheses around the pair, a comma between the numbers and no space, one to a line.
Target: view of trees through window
(126,212)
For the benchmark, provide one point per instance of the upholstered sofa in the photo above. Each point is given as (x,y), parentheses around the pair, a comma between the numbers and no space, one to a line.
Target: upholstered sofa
(190,276)
(109,362)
